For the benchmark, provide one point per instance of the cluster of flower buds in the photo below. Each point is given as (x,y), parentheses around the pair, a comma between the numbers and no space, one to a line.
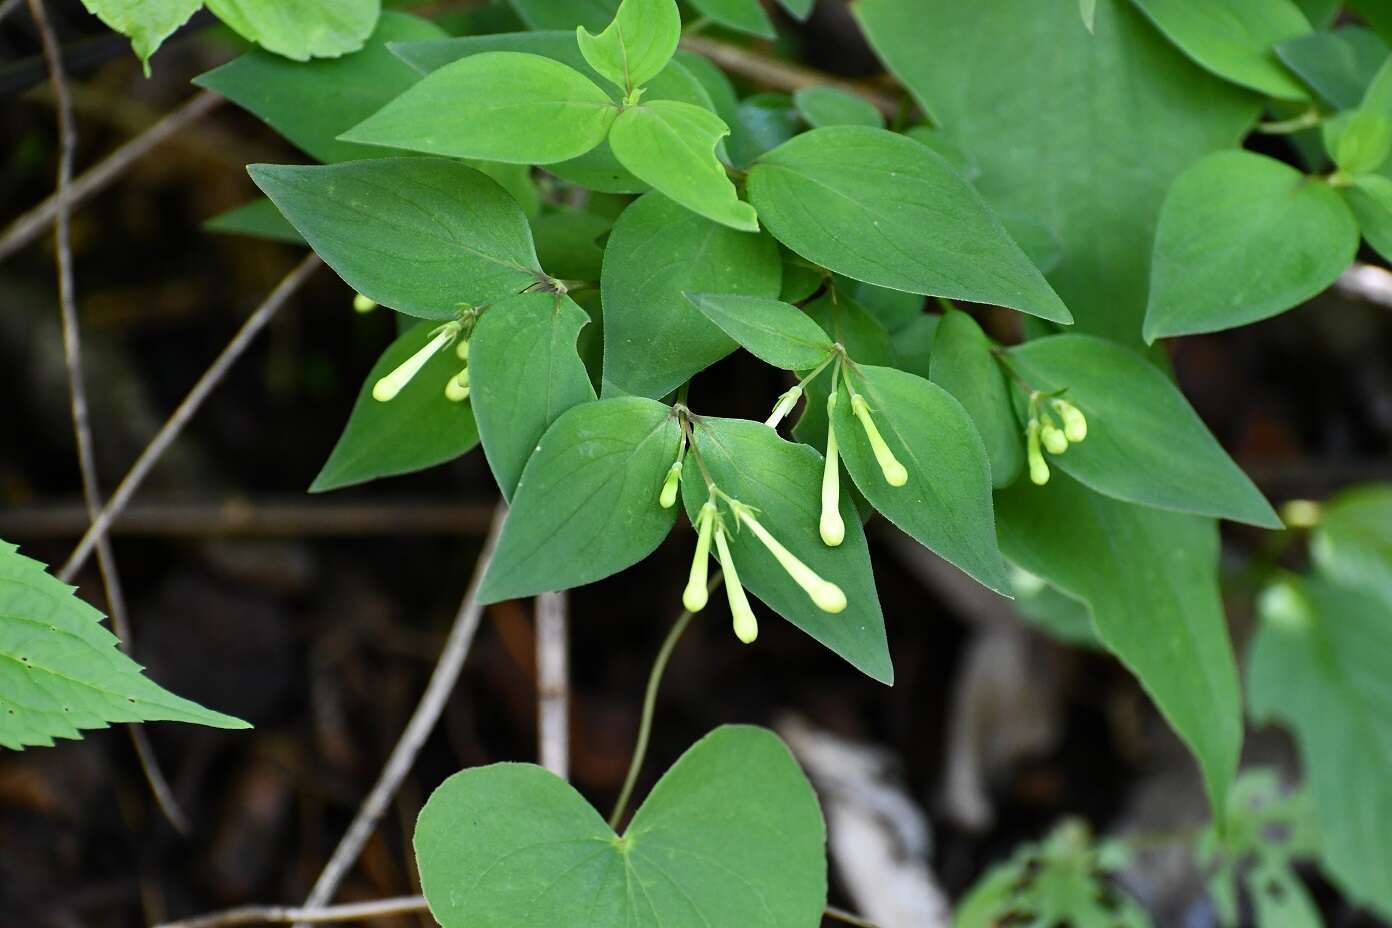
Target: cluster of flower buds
(832,527)
(457,387)
(710,526)
(1044,434)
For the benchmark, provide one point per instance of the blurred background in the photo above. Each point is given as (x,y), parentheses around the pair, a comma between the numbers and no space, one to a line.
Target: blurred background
(319,618)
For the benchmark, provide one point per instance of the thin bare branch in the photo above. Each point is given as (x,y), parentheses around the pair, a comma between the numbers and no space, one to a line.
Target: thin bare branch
(403,756)
(1366,282)
(280,915)
(847,918)
(553,683)
(96,178)
(171,429)
(8,7)
(782,75)
(77,390)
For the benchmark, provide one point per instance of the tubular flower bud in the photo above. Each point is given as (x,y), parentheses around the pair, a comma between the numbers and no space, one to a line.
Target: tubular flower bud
(786,401)
(695,595)
(746,626)
(832,527)
(386,389)
(1038,470)
(1074,422)
(363,304)
(457,387)
(894,473)
(824,594)
(462,349)
(1052,438)
(668,497)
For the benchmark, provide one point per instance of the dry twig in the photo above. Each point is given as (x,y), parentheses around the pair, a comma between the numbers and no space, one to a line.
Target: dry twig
(553,684)
(280,915)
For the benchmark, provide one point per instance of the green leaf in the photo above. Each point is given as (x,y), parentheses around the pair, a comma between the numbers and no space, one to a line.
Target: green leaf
(963,365)
(567,242)
(565,14)
(1364,143)
(586,506)
(731,835)
(257,219)
(828,106)
(1243,237)
(1320,663)
(147,23)
(312,103)
(912,346)
(1353,542)
(1123,112)
(1057,614)
(862,335)
(1150,579)
(671,146)
(636,45)
(942,142)
(301,29)
(881,208)
(655,339)
(1087,9)
(61,671)
(524,372)
(1377,188)
(421,235)
(420,428)
(1235,39)
(782,481)
(1338,65)
(741,15)
(495,106)
(946,503)
(764,121)
(893,308)
(1145,444)
(774,332)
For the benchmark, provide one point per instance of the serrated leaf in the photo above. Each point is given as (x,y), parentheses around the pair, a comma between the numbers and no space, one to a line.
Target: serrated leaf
(301,29)
(147,23)
(878,207)
(1320,663)
(586,506)
(655,340)
(731,835)
(495,106)
(946,503)
(61,671)
(671,146)
(1145,444)
(746,16)
(774,332)
(312,103)
(524,371)
(1243,237)
(421,235)
(828,106)
(1150,579)
(782,481)
(962,363)
(420,428)
(1337,65)
(1235,39)
(636,45)
(1353,542)
(1123,112)
(257,219)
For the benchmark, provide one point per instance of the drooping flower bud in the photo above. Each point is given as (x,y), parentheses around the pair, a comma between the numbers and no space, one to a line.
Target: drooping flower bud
(746,625)
(695,595)
(668,497)
(462,349)
(786,401)
(457,387)
(386,389)
(832,526)
(1074,422)
(1038,469)
(363,304)
(1052,438)
(894,473)
(824,594)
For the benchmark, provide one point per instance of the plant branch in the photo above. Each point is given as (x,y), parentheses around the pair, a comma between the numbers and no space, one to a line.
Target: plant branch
(403,756)
(96,178)
(783,75)
(553,684)
(841,915)
(640,748)
(190,405)
(77,390)
(280,915)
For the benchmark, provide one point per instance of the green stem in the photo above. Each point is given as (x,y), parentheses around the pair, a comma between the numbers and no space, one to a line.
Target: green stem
(1306,120)
(640,749)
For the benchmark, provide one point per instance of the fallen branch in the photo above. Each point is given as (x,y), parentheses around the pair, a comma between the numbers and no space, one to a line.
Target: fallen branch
(280,915)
